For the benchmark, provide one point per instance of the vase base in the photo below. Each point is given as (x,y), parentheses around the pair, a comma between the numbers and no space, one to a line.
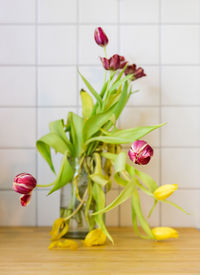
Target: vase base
(75,235)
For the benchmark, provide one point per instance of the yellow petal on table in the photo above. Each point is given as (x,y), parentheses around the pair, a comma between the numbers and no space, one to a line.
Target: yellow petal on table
(63,244)
(59,229)
(163,233)
(164,191)
(95,237)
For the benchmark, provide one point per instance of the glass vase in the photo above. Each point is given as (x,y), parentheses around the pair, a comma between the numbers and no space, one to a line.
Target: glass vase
(78,226)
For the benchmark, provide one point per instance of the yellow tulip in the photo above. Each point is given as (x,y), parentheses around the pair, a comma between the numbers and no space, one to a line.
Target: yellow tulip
(164,191)
(95,237)
(163,233)
(59,229)
(64,243)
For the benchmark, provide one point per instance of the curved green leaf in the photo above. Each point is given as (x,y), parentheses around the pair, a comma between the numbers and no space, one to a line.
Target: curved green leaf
(65,175)
(87,104)
(99,197)
(147,180)
(125,136)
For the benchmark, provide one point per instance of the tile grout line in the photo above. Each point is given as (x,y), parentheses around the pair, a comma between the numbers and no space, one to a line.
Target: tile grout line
(27,24)
(160,111)
(77,55)
(118,48)
(36,101)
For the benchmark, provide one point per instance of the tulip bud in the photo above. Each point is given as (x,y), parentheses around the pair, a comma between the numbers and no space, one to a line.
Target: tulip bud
(164,191)
(163,233)
(24,183)
(140,152)
(114,63)
(95,237)
(136,72)
(100,37)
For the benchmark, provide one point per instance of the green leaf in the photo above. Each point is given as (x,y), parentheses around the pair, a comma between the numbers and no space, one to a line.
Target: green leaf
(177,206)
(91,89)
(137,208)
(65,175)
(57,127)
(99,197)
(123,196)
(147,180)
(87,104)
(95,122)
(51,140)
(125,136)
(100,179)
(76,133)
(120,162)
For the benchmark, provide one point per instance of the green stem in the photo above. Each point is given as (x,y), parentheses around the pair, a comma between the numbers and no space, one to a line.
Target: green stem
(44,185)
(105,52)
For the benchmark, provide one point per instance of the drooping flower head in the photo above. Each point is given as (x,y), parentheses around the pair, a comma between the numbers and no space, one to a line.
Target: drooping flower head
(140,152)
(136,72)
(164,191)
(100,37)
(163,233)
(24,183)
(114,63)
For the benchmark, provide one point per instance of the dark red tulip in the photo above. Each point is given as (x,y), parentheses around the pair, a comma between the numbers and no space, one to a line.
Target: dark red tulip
(100,37)
(140,152)
(136,72)
(114,63)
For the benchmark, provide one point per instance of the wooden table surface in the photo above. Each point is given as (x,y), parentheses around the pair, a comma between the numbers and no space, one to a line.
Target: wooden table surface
(23,251)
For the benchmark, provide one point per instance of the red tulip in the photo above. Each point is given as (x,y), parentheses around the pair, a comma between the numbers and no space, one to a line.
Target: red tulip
(136,72)
(24,183)
(100,37)
(140,152)
(114,63)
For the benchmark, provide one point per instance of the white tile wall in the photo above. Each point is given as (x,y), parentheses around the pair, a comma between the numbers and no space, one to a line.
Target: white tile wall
(43,42)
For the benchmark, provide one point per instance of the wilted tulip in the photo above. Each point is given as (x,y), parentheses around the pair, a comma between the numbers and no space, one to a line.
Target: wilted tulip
(100,37)
(114,63)
(136,72)
(24,183)
(95,237)
(164,191)
(163,233)
(140,152)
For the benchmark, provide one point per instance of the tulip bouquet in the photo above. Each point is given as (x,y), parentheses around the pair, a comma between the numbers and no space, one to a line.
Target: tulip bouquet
(92,154)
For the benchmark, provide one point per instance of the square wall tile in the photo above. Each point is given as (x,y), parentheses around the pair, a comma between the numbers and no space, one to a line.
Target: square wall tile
(180,44)
(57,45)
(182,128)
(17,45)
(45,175)
(133,11)
(95,11)
(13,214)
(57,11)
(17,86)
(47,115)
(152,168)
(181,166)
(149,88)
(48,207)
(89,51)
(112,217)
(189,200)
(14,162)
(180,85)
(57,86)
(180,11)
(20,11)
(146,204)
(18,127)
(136,116)
(134,41)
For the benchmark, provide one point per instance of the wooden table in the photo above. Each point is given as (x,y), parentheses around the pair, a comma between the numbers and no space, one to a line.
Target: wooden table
(23,251)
